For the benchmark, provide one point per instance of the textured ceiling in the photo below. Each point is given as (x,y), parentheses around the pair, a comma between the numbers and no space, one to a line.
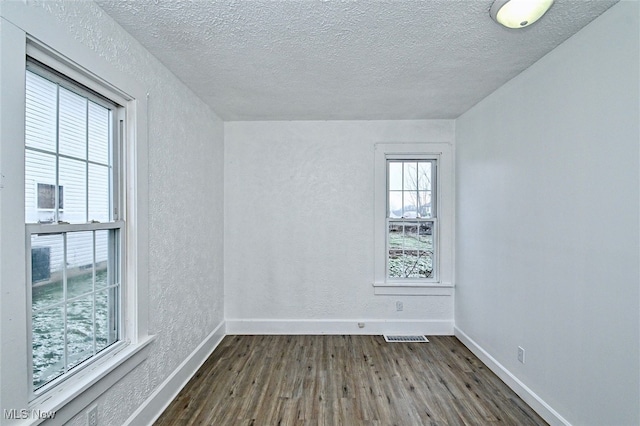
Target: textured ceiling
(343,60)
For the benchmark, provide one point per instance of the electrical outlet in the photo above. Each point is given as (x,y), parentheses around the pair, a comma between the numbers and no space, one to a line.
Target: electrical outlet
(521,354)
(92,416)
(399,306)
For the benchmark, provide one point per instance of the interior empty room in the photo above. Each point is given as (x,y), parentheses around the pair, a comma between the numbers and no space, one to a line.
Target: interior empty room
(226,211)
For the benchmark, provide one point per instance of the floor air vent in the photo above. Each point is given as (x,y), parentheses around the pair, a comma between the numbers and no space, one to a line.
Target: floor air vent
(407,339)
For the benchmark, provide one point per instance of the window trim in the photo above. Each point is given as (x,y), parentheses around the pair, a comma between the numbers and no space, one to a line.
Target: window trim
(442,283)
(81,64)
(116,120)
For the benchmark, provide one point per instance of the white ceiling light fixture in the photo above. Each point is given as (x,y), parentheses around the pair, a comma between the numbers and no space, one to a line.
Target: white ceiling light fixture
(519,13)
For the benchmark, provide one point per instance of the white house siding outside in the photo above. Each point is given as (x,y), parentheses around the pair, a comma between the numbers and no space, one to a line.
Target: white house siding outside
(81,185)
(79,255)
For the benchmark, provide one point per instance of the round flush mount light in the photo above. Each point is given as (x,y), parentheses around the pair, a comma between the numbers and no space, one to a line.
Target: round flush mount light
(519,13)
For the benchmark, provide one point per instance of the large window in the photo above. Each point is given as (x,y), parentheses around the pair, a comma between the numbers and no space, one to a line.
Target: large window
(72,224)
(413,218)
(73,220)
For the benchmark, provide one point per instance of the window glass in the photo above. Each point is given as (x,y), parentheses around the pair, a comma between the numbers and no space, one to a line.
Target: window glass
(72,174)
(98,133)
(99,200)
(75,285)
(72,124)
(410,249)
(41,112)
(409,235)
(59,157)
(40,168)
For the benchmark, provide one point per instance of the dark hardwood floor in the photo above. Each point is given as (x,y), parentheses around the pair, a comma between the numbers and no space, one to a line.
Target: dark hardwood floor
(345,380)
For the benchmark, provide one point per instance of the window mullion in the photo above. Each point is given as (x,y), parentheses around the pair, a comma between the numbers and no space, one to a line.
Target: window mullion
(65,305)
(56,207)
(402,197)
(404,268)
(86,160)
(417,195)
(93,312)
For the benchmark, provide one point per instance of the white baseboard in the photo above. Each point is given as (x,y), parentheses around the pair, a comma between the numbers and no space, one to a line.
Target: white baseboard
(538,404)
(293,326)
(160,399)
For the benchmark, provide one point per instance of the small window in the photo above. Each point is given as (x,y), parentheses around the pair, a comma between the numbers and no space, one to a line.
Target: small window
(411,219)
(413,239)
(47,197)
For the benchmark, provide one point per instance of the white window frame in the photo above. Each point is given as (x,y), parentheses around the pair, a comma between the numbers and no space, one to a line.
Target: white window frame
(117,123)
(79,64)
(442,282)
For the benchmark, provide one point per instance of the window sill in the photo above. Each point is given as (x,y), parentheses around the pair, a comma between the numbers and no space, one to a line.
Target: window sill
(73,395)
(413,289)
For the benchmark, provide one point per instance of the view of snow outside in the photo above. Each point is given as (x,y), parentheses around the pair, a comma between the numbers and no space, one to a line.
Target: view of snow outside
(410,250)
(74,318)
(410,242)
(83,323)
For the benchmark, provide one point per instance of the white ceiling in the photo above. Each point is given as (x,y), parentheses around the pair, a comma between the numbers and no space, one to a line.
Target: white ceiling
(342,59)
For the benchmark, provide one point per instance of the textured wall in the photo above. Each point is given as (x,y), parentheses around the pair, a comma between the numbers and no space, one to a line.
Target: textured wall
(185,204)
(547,236)
(299,220)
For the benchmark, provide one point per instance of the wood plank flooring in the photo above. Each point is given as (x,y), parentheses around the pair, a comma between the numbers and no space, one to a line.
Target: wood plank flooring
(345,380)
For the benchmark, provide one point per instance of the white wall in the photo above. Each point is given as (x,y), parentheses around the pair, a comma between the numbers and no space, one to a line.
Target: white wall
(185,196)
(547,225)
(299,228)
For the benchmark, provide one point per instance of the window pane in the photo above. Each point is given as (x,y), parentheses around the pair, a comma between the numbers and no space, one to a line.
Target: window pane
(395,176)
(72,124)
(79,331)
(410,250)
(424,204)
(410,175)
(86,331)
(99,193)
(424,176)
(425,235)
(40,168)
(98,133)
(47,261)
(79,263)
(395,203)
(102,261)
(410,209)
(48,345)
(40,112)
(396,231)
(73,178)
